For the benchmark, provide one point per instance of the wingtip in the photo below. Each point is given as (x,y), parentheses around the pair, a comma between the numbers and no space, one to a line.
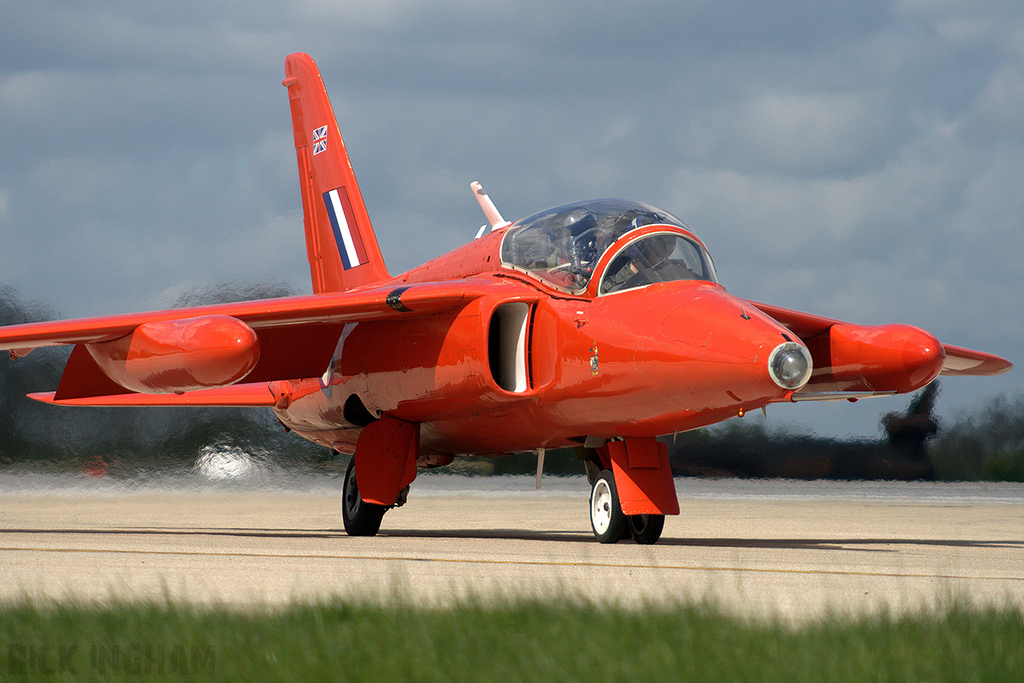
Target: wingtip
(960,361)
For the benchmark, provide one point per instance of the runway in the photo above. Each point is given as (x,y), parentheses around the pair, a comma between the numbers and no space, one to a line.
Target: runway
(791,549)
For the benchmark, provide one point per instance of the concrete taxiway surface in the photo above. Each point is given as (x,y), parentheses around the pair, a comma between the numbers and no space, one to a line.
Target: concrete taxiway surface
(797,556)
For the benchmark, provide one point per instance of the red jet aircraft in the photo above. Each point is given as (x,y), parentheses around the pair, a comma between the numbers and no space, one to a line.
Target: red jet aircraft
(599,324)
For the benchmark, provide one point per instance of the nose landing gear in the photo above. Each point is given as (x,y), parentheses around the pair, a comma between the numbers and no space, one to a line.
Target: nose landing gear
(606,518)
(610,524)
(645,529)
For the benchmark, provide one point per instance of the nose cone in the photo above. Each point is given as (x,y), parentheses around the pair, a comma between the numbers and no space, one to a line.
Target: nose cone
(732,353)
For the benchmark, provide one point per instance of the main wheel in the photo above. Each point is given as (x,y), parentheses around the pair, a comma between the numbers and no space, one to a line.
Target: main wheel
(606,518)
(645,529)
(361,518)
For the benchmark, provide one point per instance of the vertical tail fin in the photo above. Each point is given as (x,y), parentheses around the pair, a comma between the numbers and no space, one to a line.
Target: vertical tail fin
(340,242)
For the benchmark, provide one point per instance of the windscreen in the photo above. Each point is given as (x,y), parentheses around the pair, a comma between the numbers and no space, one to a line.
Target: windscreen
(661,257)
(563,245)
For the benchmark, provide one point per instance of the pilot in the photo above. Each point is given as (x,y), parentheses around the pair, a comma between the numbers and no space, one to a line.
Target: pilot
(580,226)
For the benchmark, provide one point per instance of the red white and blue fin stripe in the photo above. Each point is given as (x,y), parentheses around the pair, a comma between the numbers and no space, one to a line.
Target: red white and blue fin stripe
(350,246)
(340,242)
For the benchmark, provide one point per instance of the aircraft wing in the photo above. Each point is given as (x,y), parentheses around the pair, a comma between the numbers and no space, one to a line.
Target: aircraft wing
(813,330)
(248,395)
(960,361)
(238,395)
(370,304)
(297,336)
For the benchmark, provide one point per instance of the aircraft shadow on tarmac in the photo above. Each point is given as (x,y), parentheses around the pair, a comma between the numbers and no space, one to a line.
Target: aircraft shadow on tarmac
(780,543)
(852,544)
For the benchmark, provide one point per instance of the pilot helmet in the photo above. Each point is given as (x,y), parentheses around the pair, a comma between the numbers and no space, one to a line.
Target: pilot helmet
(579,221)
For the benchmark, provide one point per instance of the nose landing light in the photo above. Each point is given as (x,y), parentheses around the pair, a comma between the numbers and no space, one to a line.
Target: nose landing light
(790,365)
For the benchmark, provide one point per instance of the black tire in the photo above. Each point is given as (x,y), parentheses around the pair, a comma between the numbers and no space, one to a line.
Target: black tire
(606,518)
(645,529)
(360,518)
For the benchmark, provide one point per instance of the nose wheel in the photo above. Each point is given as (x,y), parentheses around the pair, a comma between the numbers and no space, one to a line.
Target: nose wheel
(606,518)
(610,524)
(645,529)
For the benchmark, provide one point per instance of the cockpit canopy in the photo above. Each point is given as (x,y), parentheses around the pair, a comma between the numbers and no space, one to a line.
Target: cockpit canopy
(563,246)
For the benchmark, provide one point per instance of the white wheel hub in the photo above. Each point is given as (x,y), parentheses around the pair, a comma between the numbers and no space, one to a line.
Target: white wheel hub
(601,507)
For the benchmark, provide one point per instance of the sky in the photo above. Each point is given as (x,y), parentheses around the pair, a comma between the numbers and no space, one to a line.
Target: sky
(860,160)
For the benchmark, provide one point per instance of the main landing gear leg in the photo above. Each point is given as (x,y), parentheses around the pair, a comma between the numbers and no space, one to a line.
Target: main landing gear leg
(361,518)
(385,464)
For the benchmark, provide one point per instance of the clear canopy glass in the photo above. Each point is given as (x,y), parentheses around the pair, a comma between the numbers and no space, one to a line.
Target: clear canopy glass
(660,257)
(563,246)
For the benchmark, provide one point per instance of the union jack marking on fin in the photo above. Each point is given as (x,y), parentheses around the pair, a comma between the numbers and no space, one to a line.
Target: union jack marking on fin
(319,143)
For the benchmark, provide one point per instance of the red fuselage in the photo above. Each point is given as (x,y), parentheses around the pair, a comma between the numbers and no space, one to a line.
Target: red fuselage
(534,366)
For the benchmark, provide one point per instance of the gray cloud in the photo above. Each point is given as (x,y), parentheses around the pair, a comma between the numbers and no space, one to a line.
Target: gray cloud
(861,160)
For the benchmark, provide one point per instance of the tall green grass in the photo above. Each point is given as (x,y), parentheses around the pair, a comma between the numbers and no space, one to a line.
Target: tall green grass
(507,641)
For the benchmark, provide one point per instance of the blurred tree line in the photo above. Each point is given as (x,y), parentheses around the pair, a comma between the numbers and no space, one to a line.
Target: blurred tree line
(985,446)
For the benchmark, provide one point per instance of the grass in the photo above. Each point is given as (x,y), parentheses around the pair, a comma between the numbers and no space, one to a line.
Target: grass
(529,640)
